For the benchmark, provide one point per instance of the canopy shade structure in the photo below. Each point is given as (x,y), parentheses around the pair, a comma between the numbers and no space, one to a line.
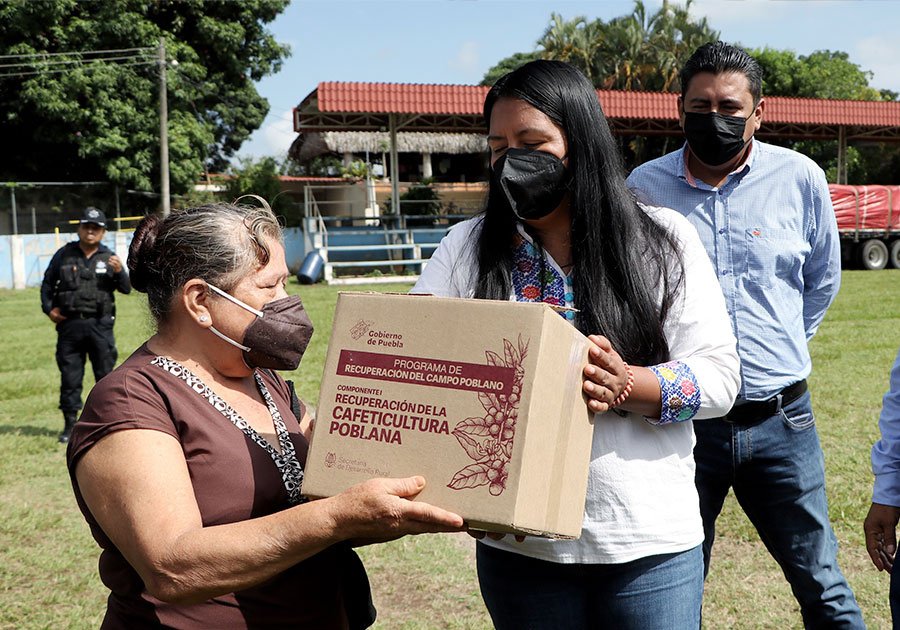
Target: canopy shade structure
(392,107)
(337,106)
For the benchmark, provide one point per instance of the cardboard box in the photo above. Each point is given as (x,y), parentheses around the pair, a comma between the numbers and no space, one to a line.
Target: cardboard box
(482,398)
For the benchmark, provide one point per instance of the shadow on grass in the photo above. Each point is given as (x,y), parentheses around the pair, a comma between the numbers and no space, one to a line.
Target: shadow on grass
(28,431)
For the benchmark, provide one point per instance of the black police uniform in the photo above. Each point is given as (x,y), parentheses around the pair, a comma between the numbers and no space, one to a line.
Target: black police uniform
(83,290)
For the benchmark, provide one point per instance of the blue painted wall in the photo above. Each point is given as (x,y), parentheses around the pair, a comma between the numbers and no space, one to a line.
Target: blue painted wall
(6,270)
(39,249)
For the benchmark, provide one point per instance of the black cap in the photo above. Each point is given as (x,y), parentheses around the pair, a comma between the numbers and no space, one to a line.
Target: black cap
(93,215)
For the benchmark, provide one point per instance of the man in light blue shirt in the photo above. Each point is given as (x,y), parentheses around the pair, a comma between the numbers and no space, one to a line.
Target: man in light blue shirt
(881,523)
(765,216)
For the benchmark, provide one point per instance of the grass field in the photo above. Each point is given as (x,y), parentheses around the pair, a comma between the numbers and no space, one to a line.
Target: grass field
(48,560)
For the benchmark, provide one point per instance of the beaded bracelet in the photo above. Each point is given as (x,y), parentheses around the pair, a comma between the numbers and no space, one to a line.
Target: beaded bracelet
(623,396)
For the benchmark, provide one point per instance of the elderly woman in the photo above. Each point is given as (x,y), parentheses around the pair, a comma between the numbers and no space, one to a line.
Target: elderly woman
(561,227)
(187,461)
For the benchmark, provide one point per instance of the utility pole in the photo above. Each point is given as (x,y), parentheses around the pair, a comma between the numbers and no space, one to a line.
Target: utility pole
(15,218)
(163,130)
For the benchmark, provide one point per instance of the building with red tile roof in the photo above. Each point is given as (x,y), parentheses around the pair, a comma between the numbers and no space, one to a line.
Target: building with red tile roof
(409,107)
(344,106)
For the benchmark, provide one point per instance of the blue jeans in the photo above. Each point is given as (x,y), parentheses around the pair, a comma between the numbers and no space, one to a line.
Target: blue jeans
(777,471)
(655,593)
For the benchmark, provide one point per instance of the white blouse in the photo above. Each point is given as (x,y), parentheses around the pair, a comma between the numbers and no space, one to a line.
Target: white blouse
(641,498)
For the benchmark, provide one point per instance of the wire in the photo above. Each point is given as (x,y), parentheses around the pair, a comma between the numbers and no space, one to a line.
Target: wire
(83,67)
(77,52)
(285,117)
(70,62)
(87,60)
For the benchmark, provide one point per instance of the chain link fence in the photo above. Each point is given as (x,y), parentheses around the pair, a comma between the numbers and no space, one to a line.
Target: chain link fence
(45,207)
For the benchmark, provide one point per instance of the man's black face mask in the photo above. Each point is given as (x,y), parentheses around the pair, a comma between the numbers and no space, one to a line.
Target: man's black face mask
(714,138)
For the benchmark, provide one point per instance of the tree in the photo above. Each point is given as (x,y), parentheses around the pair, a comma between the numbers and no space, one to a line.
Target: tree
(576,41)
(673,36)
(325,165)
(261,177)
(254,177)
(420,202)
(628,34)
(97,119)
(821,74)
(638,51)
(508,65)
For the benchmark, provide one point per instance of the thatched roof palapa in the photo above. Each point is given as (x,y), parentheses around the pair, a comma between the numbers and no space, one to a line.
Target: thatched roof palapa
(310,145)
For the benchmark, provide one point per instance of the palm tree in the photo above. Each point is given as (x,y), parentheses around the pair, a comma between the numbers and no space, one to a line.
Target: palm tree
(673,36)
(573,41)
(631,52)
(625,43)
(560,37)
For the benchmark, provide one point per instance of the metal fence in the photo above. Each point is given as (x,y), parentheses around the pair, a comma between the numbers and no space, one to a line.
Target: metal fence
(44,207)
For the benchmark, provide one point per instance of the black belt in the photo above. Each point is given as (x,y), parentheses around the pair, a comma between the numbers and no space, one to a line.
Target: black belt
(752,411)
(83,315)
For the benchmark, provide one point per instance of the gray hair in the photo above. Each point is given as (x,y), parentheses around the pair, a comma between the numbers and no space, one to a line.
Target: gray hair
(219,243)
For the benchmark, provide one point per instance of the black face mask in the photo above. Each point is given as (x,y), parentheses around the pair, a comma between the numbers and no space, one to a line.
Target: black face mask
(714,138)
(533,182)
(279,335)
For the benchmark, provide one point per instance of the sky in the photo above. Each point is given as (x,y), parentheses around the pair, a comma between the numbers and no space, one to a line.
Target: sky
(457,41)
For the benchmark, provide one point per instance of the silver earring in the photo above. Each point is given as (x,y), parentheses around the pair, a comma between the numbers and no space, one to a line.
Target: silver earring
(203,318)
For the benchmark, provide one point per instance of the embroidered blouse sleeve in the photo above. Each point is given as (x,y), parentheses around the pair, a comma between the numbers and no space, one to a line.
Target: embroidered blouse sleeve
(702,377)
(680,392)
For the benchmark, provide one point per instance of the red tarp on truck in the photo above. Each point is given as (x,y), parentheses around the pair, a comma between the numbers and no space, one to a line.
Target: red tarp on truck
(866,208)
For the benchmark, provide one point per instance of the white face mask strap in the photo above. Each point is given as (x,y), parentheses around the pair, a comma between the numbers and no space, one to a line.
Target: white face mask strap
(230,297)
(229,339)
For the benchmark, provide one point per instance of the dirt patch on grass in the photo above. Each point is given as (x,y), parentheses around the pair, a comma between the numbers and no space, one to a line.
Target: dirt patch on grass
(466,543)
(426,582)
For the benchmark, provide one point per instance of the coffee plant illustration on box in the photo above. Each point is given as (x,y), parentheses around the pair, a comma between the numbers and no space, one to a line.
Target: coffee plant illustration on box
(488,439)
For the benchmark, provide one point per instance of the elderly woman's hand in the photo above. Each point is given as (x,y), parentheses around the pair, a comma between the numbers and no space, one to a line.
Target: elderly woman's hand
(606,375)
(383,509)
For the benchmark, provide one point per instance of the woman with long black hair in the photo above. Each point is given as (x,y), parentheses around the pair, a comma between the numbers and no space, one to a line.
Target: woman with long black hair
(560,226)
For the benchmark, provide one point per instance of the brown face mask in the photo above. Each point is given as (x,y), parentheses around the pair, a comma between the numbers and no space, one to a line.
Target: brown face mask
(277,338)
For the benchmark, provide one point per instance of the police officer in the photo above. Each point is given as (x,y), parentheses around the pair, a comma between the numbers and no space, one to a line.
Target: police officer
(77,294)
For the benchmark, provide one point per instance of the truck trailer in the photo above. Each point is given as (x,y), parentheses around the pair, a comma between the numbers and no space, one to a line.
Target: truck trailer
(868,219)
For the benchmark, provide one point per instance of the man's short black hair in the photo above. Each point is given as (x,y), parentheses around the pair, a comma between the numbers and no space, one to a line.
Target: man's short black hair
(719,57)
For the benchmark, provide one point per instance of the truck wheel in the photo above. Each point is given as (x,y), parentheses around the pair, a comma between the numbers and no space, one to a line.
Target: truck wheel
(873,254)
(895,254)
